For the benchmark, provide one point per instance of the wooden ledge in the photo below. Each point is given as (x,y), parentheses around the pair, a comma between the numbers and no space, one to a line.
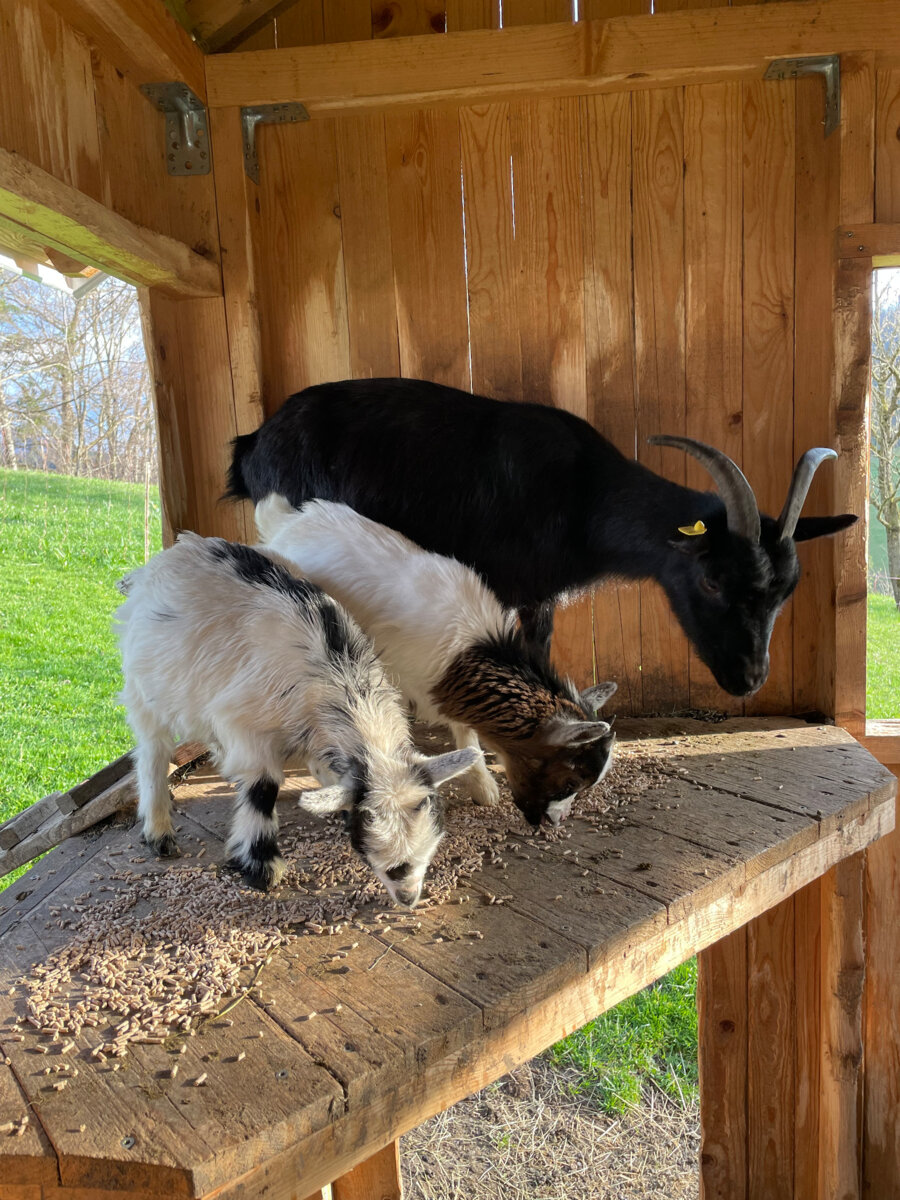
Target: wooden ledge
(879,242)
(882,740)
(59,216)
(624,53)
(742,814)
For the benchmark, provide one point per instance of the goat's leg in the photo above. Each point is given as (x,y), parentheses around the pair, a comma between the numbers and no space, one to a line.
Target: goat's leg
(154,750)
(481,783)
(537,626)
(253,845)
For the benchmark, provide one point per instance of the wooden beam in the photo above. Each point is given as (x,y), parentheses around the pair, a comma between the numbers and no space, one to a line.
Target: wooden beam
(625,53)
(882,740)
(34,202)
(140,37)
(879,242)
(218,23)
(377,1177)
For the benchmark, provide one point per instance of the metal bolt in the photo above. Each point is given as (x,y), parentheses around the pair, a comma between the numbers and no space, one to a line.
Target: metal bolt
(127,1142)
(282,1074)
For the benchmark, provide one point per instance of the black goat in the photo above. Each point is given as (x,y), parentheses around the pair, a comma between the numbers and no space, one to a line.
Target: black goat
(539,503)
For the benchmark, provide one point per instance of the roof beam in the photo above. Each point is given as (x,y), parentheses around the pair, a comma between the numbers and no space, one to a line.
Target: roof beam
(44,210)
(140,37)
(624,53)
(218,23)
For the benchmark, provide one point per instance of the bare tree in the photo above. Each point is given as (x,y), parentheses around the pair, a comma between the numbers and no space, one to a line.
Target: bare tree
(885,419)
(74,387)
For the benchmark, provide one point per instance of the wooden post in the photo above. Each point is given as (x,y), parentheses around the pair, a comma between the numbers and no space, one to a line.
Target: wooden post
(378,1178)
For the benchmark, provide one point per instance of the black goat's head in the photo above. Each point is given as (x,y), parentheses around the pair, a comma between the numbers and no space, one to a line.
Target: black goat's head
(728,576)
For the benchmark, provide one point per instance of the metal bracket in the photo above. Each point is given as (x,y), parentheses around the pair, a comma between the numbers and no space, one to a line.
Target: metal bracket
(828,65)
(265,114)
(187,130)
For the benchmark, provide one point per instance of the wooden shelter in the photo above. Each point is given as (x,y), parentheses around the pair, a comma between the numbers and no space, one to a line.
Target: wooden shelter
(662,216)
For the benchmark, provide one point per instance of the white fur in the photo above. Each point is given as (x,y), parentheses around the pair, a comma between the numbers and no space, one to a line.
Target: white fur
(421,610)
(246,670)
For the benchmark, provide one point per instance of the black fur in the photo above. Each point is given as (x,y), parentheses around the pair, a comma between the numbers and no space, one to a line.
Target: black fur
(262,795)
(534,499)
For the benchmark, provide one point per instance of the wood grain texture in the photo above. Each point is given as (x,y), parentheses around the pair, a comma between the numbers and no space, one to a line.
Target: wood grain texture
(303,299)
(887,146)
(713,179)
(378,1178)
(658,121)
(536,12)
(609,356)
(768,333)
(817,193)
(881,1131)
(405,18)
(722,1059)
(472,14)
(770,1053)
(426,219)
(843,980)
(809,1033)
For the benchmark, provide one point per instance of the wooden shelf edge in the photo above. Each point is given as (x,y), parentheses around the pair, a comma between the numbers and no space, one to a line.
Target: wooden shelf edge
(620,54)
(357,1136)
(882,740)
(65,219)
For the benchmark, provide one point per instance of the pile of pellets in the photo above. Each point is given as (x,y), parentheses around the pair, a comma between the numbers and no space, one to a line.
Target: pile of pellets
(165,950)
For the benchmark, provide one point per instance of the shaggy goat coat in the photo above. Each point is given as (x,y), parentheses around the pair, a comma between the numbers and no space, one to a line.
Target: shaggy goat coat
(225,645)
(453,650)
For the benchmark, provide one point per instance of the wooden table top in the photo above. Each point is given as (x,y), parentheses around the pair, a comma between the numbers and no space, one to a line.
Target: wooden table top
(738,815)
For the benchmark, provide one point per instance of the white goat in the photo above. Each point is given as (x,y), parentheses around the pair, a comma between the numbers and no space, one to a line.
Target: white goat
(454,651)
(228,646)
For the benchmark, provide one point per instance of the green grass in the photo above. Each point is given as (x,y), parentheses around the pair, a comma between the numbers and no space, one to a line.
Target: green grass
(883,659)
(63,544)
(649,1039)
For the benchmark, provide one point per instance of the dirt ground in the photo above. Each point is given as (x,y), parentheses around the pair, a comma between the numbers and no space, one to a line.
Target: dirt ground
(527,1137)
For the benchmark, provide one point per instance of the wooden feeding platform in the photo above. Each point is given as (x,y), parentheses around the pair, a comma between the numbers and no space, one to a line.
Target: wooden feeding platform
(343,1042)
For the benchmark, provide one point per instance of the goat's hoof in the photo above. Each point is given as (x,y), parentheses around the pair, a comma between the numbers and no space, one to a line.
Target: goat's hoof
(487,796)
(261,874)
(163,846)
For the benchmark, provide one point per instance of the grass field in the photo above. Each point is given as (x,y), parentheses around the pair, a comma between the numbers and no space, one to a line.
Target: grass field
(63,544)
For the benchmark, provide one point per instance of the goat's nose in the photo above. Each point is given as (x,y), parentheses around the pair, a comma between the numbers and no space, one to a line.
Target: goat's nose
(407,896)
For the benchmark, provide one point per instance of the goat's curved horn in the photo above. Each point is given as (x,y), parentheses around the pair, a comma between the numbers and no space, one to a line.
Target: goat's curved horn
(737,494)
(803,476)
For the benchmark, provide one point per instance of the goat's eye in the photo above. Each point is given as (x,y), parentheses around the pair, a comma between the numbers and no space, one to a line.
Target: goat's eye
(421,806)
(710,586)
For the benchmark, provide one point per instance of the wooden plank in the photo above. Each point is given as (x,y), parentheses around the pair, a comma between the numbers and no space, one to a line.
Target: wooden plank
(881,1132)
(303,301)
(817,200)
(472,14)
(630,52)
(301,24)
(368,262)
(882,740)
(141,37)
(42,59)
(378,1176)
(427,241)
(494,338)
(187,351)
(852,352)
(609,355)
(770,1053)
(843,984)
(218,26)
(352,1139)
(867,240)
(659,358)
(768,334)
(722,1013)
(238,217)
(76,224)
(887,147)
(536,12)
(808,1038)
(713,135)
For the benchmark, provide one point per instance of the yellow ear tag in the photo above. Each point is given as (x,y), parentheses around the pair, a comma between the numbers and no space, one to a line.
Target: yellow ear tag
(692,530)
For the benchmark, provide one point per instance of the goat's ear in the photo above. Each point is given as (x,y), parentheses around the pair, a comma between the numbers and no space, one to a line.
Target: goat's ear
(321,802)
(816,527)
(446,766)
(563,732)
(595,697)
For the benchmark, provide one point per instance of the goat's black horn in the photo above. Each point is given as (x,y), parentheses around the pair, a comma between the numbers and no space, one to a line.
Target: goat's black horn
(737,494)
(803,476)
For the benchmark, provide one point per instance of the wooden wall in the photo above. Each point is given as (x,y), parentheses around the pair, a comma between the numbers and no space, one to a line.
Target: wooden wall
(629,257)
